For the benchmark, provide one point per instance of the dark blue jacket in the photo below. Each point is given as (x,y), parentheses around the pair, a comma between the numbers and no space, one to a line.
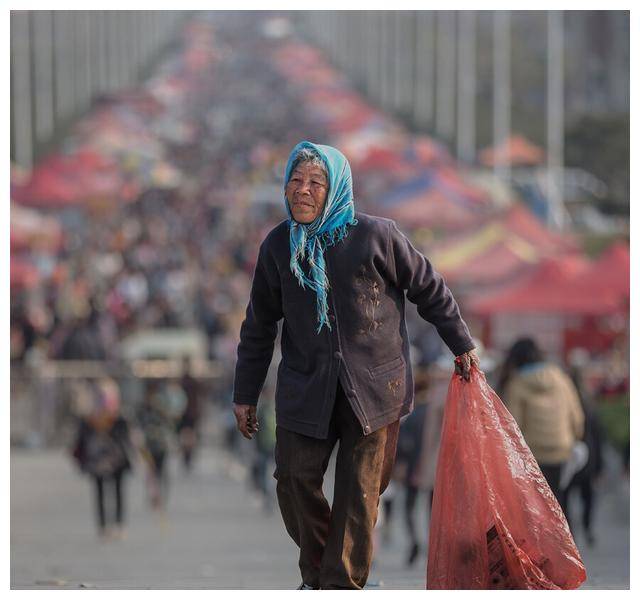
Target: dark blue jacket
(369,273)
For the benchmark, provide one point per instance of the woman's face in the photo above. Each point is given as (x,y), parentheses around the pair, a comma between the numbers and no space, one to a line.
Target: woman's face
(306,192)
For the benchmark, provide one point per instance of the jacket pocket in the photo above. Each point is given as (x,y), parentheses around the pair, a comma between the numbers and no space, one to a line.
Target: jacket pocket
(385,387)
(386,367)
(292,396)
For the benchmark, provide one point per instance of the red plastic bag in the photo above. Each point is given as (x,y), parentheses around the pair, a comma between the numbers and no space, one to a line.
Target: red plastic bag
(495,522)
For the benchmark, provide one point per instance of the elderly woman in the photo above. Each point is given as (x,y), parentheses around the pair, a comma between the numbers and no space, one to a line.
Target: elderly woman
(338,280)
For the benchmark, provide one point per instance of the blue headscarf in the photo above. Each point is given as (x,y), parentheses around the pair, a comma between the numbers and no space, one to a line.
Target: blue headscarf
(327,229)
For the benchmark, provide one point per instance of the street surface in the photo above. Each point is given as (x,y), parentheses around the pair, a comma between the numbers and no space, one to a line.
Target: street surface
(215,535)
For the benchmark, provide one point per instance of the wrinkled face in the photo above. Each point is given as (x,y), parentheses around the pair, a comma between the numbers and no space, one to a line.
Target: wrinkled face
(306,192)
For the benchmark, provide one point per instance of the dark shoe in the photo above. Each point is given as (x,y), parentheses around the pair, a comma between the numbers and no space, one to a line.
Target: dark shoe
(304,586)
(413,554)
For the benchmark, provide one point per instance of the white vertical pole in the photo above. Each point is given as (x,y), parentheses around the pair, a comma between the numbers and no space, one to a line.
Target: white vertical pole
(92,62)
(555,118)
(408,37)
(121,32)
(466,129)
(81,49)
(425,69)
(385,62)
(128,45)
(43,76)
(21,88)
(144,35)
(501,86)
(63,64)
(398,46)
(111,68)
(446,75)
(134,17)
(74,67)
(372,57)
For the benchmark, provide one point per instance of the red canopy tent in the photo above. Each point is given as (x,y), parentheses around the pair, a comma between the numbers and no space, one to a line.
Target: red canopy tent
(452,182)
(68,179)
(428,151)
(429,209)
(519,219)
(378,157)
(551,287)
(501,261)
(497,249)
(562,301)
(610,272)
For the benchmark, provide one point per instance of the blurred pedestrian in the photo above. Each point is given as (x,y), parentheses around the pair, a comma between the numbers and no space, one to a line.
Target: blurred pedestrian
(265,445)
(102,451)
(584,481)
(83,341)
(388,499)
(156,427)
(410,442)
(439,378)
(406,476)
(189,422)
(546,406)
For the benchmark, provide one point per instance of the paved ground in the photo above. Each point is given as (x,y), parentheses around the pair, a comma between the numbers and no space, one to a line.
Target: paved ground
(215,536)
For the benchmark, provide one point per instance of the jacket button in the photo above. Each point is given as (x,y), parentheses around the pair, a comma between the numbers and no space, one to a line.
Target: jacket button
(352,392)
(367,428)
(338,355)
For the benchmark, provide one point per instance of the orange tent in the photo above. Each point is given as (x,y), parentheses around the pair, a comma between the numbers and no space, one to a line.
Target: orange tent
(516,151)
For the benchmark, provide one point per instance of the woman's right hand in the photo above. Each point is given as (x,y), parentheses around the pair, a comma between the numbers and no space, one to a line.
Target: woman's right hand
(246,419)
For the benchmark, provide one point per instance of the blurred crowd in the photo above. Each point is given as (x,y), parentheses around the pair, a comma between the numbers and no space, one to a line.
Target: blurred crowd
(174,256)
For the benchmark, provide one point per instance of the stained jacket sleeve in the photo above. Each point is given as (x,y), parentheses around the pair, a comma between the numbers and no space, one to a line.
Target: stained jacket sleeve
(258,331)
(411,271)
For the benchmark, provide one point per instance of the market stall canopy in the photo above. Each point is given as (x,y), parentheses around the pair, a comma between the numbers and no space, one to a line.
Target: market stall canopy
(427,151)
(453,185)
(428,209)
(557,286)
(491,256)
(437,198)
(610,271)
(70,179)
(381,158)
(520,220)
(357,145)
(499,247)
(516,151)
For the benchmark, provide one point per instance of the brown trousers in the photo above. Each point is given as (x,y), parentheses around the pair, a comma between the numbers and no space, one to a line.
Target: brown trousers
(336,544)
